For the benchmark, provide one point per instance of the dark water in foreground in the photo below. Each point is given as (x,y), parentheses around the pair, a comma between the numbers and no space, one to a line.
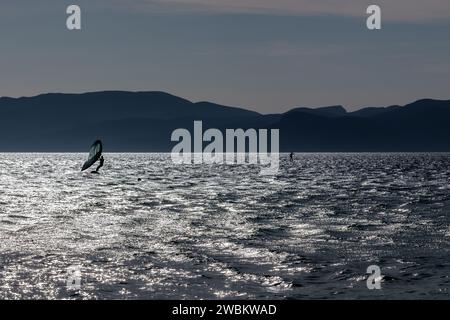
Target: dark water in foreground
(224,231)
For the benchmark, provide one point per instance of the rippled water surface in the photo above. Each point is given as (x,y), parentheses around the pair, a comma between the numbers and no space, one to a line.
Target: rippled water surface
(201,231)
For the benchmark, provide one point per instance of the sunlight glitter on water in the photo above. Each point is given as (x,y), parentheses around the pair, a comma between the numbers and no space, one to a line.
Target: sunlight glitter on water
(224,231)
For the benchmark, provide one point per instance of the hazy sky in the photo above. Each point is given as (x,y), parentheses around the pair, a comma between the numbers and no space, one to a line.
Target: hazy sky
(266,55)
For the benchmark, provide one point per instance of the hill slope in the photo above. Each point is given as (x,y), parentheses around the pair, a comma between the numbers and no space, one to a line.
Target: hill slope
(144,121)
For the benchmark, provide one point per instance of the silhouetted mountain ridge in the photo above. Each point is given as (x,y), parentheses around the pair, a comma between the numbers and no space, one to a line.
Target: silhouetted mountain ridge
(331,111)
(144,121)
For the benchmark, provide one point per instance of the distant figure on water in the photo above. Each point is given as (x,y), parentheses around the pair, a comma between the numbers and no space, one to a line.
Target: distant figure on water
(102,161)
(291,156)
(95,154)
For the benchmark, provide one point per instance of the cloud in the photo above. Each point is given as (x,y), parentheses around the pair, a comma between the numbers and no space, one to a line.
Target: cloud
(396,10)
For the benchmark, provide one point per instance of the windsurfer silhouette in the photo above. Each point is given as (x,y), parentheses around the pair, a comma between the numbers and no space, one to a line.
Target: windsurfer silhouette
(102,161)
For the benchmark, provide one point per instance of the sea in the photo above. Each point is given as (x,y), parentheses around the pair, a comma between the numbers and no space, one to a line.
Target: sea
(146,228)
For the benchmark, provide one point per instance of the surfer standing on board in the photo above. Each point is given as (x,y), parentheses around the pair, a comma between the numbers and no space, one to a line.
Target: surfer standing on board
(102,161)
(95,154)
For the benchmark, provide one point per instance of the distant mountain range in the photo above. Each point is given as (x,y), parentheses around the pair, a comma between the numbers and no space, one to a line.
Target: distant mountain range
(144,121)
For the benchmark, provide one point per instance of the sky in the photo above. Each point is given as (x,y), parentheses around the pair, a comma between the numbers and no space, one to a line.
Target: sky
(264,55)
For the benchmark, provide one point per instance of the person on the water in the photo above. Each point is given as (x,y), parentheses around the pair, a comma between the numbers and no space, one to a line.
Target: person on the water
(291,156)
(102,161)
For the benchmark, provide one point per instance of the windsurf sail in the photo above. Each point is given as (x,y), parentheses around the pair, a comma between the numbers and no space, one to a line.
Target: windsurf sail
(94,154)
